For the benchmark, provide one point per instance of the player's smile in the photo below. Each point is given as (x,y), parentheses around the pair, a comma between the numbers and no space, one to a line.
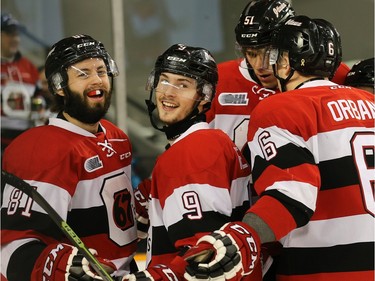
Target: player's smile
(168,106)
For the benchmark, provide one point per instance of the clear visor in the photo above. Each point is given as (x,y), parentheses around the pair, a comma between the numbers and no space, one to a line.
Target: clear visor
(256,57)
(185,88)
(89,69)
(273,55)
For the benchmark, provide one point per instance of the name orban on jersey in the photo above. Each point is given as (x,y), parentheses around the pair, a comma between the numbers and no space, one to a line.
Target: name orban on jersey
(345,109)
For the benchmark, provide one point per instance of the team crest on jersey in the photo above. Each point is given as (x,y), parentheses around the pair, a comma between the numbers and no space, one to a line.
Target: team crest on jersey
(262,93)
(93,163)
(236,99)
(107,146)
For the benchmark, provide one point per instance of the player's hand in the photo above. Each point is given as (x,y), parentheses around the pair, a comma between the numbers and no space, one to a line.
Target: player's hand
(226,254)
(141,194)
(64,262)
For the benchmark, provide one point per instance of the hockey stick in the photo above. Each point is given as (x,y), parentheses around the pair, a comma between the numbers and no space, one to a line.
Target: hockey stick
(65,228)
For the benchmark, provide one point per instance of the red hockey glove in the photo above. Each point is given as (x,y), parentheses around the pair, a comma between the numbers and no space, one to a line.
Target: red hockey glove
(141,194)
(226,254)
(64,262)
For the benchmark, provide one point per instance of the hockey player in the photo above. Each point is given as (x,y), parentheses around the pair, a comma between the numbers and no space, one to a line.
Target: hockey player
(244,82)
(312,158)
(361,75)
(201,181)
(80,163)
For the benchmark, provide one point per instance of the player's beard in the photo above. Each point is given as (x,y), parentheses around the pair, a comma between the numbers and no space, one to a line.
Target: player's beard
(78,107)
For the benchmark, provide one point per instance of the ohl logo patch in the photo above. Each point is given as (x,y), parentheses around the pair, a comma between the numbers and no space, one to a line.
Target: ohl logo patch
(236,99)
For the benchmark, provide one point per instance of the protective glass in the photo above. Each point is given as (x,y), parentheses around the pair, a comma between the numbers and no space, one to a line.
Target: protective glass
(94,69)
(257,57)
(185,89)
(272,56)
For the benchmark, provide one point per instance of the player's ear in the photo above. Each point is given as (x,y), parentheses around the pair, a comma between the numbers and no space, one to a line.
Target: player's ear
(284,60)
(202,103)
(60,92)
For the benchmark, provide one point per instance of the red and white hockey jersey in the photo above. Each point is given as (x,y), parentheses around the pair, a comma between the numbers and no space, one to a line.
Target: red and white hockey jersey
(312,158)
(198,184)
(86,179)
(236,96)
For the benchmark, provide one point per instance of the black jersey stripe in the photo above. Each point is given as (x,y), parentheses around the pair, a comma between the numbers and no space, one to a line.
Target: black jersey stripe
(22,262)
(161,242)
(84,221)
(334,173)
(287,156)
(185,228)
(39,222)
(341,258)
(338,172)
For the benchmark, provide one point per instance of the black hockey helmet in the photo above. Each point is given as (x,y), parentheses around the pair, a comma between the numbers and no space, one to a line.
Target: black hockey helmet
(301,37)
(361,74)
(331,44)
(259,19)
(193,62)
(69,51)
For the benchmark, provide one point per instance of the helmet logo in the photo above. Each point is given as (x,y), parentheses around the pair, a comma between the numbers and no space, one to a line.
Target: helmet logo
(292,22)
(249,35)
(302,62)
(176,59)
(278,9)
(85,44)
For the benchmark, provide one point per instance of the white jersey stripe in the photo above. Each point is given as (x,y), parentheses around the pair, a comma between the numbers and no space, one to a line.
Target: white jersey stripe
(326,141)
(209,198)
(299,191)
(331,232)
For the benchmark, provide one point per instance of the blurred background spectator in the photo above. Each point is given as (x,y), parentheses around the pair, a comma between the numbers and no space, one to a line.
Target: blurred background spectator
(19,77)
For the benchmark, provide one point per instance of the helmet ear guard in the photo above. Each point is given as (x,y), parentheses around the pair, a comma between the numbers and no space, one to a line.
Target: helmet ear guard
(150,84)
(56,82)
(112,66)
(208,92)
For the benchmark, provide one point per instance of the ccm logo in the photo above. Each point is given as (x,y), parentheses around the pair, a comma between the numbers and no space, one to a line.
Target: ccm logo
(85,44)
(249,35)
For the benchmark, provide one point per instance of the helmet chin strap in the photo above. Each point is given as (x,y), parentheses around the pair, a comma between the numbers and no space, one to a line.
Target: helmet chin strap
(283,81)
